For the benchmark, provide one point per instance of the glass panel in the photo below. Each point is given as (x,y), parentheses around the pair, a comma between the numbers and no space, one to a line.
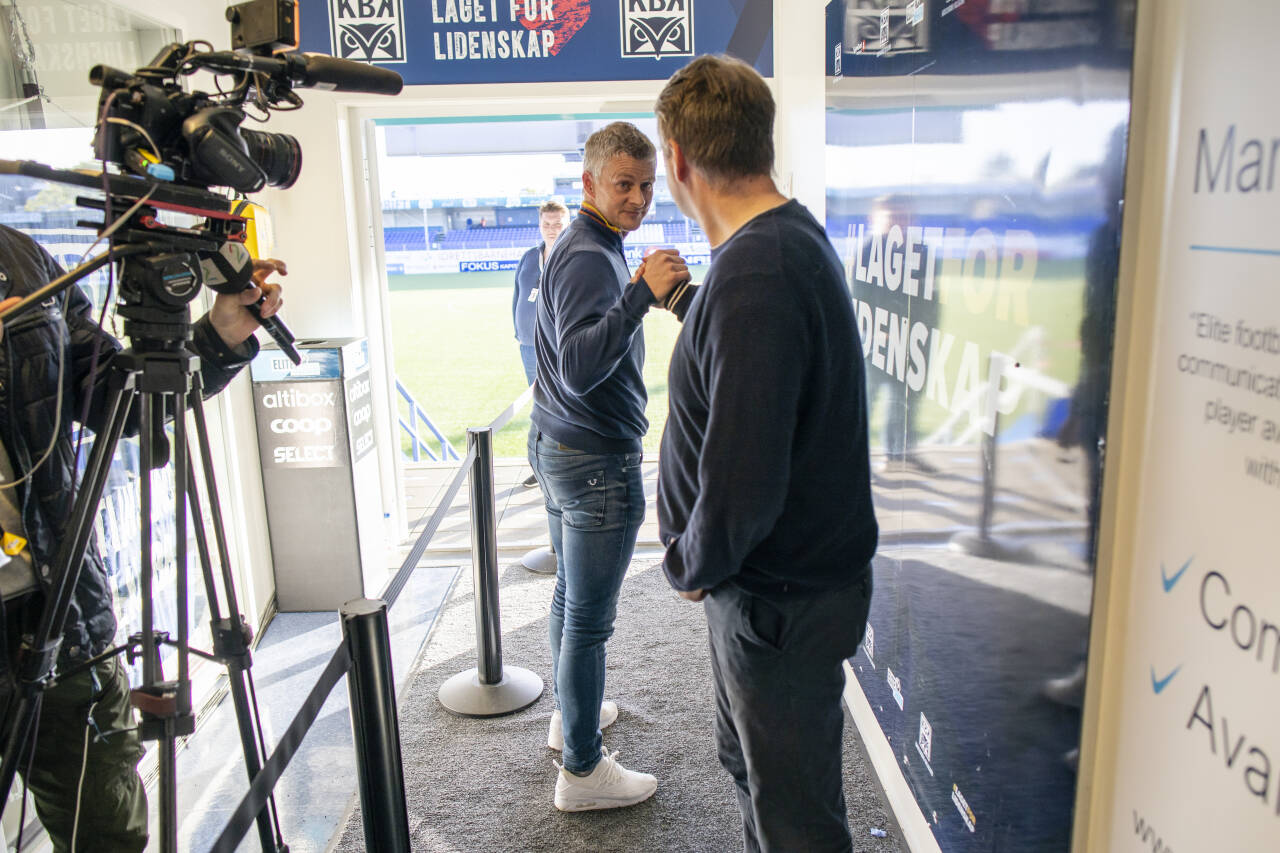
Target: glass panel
(975,161)
(47,110)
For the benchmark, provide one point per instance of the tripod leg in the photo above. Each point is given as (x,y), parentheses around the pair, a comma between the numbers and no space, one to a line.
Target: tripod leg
(215,506)
(156,723)
(231,639)
(168,758)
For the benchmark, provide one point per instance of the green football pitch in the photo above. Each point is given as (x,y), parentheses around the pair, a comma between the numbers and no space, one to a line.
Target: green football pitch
(455,350)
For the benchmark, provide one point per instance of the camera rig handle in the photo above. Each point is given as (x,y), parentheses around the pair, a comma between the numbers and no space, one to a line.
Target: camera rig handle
(217,255)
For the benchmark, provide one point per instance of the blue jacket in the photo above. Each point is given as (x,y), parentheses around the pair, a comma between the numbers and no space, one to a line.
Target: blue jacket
(524,302)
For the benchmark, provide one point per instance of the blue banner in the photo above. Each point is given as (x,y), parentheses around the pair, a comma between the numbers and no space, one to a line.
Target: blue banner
(536,41)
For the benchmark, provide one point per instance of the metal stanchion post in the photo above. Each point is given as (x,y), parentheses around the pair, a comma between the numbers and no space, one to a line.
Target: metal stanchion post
(375,726)
(541,561)
(489,690)
(981,543)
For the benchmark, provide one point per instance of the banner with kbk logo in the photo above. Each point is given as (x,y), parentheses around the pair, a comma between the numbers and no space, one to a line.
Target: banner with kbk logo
(525,41)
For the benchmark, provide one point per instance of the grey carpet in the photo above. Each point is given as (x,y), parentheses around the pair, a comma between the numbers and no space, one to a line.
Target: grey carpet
(486,785)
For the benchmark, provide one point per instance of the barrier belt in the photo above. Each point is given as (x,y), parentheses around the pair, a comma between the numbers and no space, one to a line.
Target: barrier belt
(401,579)
(501,420)
(260,791)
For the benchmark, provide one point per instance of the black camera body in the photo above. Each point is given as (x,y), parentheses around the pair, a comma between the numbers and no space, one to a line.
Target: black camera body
(152,127)
(174,146)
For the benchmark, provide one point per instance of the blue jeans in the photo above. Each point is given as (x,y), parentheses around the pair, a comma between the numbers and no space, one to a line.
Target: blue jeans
(595,503)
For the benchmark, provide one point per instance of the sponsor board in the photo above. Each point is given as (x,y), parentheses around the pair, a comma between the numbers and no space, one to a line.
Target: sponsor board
(924,744)
(359,391)
(299,424)
(962,806)
(487,266)
(895,686)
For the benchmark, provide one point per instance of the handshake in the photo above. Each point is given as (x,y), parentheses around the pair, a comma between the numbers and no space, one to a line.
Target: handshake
(668,278)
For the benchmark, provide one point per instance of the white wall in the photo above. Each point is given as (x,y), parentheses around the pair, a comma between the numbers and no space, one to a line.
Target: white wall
(799,35)
(231,422)
(1166,758)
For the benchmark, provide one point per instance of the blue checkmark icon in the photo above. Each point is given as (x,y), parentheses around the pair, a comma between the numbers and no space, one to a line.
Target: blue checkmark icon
(1159,684)
(1170,581)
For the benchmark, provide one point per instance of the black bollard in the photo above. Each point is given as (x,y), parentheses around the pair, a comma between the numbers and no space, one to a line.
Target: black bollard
(491,689)
(484,558)
(981,543)
(375,726)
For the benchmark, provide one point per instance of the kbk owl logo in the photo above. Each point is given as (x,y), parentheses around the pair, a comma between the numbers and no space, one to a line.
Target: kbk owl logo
(367,30)
(657,28)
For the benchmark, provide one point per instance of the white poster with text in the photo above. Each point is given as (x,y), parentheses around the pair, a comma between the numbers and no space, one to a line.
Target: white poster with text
(1198,763)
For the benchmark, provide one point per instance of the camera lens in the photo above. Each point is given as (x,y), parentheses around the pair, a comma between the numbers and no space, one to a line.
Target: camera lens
(279,155)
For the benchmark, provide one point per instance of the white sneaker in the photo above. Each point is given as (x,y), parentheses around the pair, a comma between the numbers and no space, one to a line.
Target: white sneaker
(555,736)
(608,786)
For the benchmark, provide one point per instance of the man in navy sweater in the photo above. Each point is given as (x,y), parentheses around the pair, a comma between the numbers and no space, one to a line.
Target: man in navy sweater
(764,490)
(584,446)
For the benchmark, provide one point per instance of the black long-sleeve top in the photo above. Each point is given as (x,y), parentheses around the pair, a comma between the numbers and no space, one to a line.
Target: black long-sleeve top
(764,474)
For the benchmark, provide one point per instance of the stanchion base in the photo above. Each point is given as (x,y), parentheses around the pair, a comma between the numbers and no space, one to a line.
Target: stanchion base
(541,561)
(464,695)
(977,545)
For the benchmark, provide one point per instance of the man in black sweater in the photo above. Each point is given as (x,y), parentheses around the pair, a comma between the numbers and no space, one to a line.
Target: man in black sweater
(584,446)
(764,495)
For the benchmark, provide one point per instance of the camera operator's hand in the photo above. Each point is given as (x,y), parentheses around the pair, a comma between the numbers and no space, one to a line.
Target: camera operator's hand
(663,270)
(5,306)
(229,316)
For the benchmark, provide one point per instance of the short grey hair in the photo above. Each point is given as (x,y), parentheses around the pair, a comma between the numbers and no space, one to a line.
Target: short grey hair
(620,137)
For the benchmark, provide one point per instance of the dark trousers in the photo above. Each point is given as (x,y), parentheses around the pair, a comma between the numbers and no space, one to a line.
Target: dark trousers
(112,800)
(778,670)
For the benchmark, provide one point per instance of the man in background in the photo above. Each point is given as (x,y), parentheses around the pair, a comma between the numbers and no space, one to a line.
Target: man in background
(764,489)
(83,774)
(584,446)
(552,219)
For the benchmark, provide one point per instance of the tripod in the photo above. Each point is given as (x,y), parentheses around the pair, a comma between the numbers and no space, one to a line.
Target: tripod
(155,377)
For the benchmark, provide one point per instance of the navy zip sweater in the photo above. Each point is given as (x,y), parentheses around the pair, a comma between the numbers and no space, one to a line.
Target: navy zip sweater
(764,473)
(590,391)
